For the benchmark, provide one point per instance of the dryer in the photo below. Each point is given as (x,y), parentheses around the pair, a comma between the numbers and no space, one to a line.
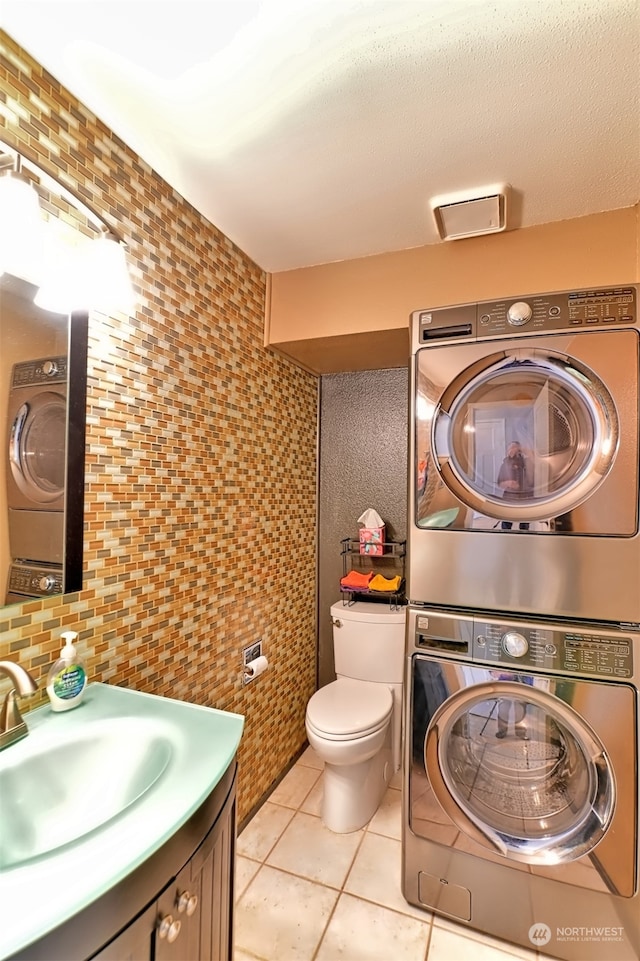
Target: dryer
(524,448)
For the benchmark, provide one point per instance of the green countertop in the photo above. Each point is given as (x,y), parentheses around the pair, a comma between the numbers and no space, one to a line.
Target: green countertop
(114,737)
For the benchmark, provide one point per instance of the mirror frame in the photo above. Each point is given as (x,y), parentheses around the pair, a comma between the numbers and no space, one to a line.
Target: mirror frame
(78,341)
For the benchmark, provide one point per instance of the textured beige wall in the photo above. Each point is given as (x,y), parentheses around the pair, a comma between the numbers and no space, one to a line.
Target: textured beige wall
(354,315)
(201,456)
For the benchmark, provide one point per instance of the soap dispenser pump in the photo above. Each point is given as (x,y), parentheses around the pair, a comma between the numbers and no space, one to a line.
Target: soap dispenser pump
(67,678)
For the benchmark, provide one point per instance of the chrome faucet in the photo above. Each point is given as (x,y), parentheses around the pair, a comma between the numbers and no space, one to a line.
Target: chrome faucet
(12,725)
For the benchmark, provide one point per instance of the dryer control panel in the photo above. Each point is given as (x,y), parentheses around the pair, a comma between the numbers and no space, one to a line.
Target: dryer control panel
(602,307)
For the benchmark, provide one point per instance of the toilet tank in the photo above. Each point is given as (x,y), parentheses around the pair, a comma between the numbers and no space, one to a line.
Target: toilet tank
(368,641)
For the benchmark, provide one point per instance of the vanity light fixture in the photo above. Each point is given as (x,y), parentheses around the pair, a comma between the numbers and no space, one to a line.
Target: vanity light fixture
(22,234)
(71,274)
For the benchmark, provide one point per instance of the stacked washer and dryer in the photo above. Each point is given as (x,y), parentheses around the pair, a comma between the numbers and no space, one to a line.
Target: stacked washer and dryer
(36,475)
(523,625)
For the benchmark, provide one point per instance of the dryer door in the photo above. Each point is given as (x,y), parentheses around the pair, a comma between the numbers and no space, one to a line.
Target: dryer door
(525,434)
(37,452)
(520,772)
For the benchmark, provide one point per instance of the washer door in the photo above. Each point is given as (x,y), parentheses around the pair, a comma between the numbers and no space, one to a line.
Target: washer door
(520,772)
(37,446)
(553,419)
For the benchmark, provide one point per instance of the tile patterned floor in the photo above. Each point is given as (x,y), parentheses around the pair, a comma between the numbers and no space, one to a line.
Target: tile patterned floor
(305,894)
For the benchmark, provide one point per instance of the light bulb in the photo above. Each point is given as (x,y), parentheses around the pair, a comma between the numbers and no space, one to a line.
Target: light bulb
(22,229)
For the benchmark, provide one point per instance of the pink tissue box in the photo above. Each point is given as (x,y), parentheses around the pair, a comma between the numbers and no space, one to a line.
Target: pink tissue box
(372,540)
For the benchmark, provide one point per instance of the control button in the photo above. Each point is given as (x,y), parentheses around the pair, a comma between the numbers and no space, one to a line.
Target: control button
(550,649)
(554,311)
(481,641)
(519,314)
(516,645)
(484,320)
(626,319)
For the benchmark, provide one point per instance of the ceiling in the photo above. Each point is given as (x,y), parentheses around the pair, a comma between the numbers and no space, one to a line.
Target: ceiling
(312,131)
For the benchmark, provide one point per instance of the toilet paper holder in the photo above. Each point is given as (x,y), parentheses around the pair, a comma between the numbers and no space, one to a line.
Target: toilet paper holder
(254,669)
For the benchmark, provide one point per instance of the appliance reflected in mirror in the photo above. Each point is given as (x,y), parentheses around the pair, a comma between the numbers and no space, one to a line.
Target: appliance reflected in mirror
(43,408)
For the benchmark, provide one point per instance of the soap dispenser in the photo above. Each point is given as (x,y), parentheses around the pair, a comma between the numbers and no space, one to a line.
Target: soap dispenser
(67,678)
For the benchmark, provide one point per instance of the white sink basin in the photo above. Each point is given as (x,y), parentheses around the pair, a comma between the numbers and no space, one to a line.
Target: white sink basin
(56,793)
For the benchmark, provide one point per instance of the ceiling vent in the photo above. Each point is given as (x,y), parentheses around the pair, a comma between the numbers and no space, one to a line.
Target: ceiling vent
(471,213)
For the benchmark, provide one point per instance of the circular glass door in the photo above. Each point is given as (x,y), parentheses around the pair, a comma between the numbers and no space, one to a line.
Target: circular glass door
(525,435)
(37,446)
(519,771)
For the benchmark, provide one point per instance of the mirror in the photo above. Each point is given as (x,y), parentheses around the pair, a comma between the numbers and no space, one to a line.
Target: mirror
(43,378)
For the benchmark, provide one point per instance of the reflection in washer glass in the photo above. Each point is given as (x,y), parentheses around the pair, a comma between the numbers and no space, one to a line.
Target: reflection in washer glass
(554,430)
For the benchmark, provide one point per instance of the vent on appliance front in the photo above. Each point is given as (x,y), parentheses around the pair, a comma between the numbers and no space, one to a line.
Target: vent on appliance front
(465,214)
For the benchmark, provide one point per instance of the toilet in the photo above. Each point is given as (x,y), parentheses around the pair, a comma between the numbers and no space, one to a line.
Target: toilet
(354,723)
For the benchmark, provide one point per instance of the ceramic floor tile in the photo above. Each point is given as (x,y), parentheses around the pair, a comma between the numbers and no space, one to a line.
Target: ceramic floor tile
(359,931)
(310,759)
(376,874)
(239,955)
(263,831)
(294,788)
(449,941)
(388,818)
(246,870)
(309,849)
(281,917)
(312,804)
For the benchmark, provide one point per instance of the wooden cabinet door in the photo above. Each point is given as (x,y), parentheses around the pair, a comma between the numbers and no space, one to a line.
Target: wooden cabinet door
(212,868)
(134,943)
(178,920)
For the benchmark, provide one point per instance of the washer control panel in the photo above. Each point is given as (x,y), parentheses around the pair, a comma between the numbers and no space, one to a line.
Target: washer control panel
(526,645)
(536,646)
(35,580)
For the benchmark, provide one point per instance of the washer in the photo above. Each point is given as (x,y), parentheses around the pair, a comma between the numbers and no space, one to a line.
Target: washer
(521,781)
(36,459)
(524,451)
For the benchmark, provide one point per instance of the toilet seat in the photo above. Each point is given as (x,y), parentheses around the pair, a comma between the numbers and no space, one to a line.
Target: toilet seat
(348,709)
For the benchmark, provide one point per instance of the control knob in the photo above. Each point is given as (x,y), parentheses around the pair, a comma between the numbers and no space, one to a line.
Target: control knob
(47,582)
(50,368)
(519,314)
(516,645)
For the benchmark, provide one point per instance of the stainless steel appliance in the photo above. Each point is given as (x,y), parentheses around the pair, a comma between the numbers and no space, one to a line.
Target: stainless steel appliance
(36,459)
(521,780)
(30,579)
(524,452)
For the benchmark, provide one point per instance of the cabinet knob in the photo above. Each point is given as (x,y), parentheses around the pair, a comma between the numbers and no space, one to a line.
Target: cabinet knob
(187,902)
(168,928)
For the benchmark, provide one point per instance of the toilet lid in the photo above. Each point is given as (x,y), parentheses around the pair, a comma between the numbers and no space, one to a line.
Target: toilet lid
(347,708)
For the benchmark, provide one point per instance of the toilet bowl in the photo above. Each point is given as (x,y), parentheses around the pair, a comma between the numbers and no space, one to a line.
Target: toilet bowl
(353,723)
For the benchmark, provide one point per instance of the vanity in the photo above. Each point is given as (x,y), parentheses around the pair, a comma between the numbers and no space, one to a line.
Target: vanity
(117,831)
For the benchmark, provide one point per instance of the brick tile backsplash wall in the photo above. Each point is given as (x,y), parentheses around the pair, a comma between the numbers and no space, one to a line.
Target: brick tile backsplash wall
(200,495)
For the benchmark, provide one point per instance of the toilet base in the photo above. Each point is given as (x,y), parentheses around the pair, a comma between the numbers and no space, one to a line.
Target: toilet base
(352,792)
